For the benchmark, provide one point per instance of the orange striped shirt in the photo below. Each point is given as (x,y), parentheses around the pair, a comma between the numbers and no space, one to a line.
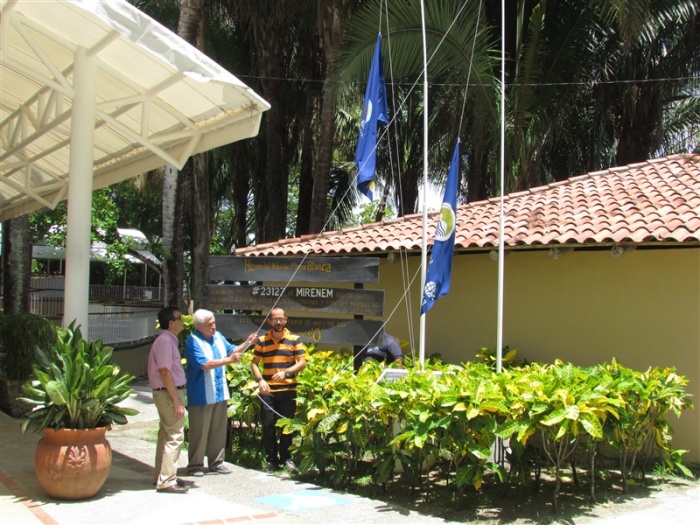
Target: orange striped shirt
(278,357)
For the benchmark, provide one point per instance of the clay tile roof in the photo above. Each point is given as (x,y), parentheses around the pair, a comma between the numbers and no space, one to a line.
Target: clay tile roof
(650,202)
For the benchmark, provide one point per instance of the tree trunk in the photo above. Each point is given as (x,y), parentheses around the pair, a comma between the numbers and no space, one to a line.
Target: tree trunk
(332,15)
(191,25)
(173,268)
(192,28)
(381,207)
(16,264)
(319,200)
(307,211)
(241,187)
(200,232)
(274,198)
(313,67)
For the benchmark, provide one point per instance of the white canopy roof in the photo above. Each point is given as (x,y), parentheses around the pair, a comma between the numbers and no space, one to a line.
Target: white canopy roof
(159,100)
(98,250)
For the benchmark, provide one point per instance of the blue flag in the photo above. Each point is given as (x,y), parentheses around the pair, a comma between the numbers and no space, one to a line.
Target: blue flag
(437,281)
(374,113)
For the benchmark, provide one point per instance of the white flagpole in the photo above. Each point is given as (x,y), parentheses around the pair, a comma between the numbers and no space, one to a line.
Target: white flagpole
(501,254)
(424,242)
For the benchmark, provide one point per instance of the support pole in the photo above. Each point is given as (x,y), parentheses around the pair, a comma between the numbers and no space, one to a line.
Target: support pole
(79,214)
(501,222)
(424,241)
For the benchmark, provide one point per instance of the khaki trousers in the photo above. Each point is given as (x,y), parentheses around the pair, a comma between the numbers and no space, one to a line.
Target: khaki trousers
(207,435)
(171,436)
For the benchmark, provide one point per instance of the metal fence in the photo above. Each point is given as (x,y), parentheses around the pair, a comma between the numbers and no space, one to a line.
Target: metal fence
(46,295)
(117,325)
(125,293)
(114,324)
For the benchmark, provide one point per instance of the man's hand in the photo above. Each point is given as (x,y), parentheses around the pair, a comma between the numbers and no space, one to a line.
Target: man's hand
(279,376)
(179,410)
(251,340)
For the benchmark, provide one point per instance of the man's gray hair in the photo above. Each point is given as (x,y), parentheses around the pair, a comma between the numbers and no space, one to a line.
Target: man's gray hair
(201,317)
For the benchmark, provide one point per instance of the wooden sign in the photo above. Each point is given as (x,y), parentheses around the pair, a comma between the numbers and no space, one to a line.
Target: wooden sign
(312,330)
(297,299)
(294,269)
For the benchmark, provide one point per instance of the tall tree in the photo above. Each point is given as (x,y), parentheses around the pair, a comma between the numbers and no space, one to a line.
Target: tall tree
(173,251)
(273,43)
(168,13)
(598,83)
(650,82)
(192,28)
(16,264)
(333,16)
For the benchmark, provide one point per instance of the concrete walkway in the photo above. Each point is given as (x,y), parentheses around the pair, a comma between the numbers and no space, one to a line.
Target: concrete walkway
(128,496)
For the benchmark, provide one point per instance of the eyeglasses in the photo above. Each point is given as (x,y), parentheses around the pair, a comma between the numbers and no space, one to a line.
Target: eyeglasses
(278,319)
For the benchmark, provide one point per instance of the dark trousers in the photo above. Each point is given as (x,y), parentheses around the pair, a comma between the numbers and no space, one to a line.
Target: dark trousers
(274,406)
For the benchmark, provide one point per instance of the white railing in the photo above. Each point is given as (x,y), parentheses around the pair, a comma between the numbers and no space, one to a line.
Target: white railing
(46,295)
(118,325)
(114,324)
(125,293)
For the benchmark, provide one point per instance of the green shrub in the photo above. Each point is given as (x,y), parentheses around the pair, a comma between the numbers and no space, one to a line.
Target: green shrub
(20,333)
(443,422)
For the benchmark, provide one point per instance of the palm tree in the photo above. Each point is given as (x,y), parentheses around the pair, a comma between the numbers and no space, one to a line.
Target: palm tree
(652,54)
(274,38)
(192,28)
(332,19)
(459,49)
(17,264)
(600,83)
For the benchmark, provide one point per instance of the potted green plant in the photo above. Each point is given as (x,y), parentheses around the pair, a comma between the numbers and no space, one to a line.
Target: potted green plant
(75,389)
(20,333)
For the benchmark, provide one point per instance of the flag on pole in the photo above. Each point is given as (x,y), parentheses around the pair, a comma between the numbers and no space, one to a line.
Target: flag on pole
(374,112)
(437,280)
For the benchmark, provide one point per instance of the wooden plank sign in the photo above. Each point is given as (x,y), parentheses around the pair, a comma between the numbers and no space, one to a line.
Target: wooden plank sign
(297,299)
(312,330)
(294,269)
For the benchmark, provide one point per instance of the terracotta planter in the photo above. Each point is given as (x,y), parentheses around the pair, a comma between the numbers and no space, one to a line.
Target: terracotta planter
(73,464)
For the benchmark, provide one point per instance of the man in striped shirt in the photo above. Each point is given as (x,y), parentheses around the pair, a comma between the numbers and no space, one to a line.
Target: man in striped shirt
(283,357)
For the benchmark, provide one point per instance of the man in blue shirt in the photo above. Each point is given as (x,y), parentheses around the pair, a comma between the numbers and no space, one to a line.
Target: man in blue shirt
(385,348)
(208,352)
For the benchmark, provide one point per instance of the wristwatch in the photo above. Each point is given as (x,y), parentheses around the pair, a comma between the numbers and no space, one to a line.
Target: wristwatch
(288,375)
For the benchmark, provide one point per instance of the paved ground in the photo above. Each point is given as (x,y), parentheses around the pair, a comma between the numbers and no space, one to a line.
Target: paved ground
(128,497)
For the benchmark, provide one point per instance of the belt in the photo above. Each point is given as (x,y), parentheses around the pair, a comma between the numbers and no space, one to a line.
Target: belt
(178,387)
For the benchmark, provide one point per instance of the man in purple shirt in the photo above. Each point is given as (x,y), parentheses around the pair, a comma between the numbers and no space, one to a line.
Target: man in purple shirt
(167,379)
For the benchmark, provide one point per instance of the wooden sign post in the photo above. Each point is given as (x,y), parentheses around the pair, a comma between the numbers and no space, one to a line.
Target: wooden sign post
(256,294)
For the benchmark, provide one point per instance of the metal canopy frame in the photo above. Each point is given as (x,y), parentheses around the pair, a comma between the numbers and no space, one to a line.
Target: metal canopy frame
(95,92)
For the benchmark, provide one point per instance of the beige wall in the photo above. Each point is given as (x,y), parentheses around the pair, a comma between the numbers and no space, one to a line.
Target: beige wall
(586,307)
(133,360)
